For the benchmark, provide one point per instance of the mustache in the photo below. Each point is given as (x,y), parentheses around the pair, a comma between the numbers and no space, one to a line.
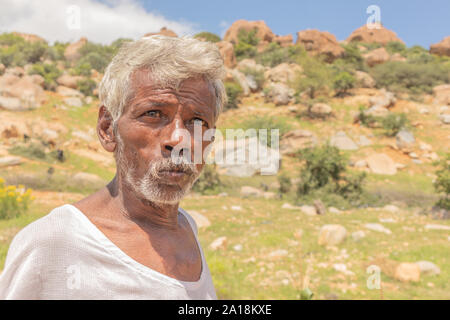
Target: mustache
(178,164)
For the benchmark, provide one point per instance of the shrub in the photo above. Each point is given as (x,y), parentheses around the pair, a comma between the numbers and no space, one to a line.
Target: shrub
(16,51)
(208,36)
(97,55)
(285,184)
(342,82)
(247,42)
(324,173)
(315,78)
(56,52)
(82,69)
(365,119)
(351,60)
(257,75)
(234,92)
(14,201)
(393,123)
(208,182)
(274,54)
(412,77)
(86,86)
(396,47)
(442,182)
(49,72)
(269,123)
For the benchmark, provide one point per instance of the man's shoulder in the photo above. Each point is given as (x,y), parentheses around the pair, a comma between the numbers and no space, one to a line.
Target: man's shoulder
(55,228)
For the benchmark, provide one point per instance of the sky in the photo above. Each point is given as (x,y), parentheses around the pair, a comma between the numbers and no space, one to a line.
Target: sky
(415,21)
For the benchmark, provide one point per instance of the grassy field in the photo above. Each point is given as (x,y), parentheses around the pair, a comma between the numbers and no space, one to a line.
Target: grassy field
(271,252)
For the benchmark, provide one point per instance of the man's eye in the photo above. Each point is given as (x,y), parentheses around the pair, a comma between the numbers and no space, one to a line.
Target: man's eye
(153,113)
(199,122)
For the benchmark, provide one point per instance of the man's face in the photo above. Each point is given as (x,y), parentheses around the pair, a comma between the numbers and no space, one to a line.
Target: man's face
(155,123)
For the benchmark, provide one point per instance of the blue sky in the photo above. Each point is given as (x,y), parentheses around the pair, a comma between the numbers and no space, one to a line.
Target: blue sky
(414,21)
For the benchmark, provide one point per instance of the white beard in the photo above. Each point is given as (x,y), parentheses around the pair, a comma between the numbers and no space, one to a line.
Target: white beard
(150,187)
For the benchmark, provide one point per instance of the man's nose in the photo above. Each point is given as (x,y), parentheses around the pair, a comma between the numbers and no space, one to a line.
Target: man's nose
(175,136)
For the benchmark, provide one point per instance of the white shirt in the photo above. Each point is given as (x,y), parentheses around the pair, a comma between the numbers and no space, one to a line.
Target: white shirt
(65,256)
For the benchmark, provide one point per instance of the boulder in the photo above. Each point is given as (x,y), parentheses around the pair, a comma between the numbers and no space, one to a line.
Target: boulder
(227,51)
(279,93)
(320,43)
(284,41)
(397,57)
(29,37)
(379,34)
(10,161)
(445,118)
(376,56)
(308,210)
(407,272)
(73,102)
(364,80)
(321,110)
(240,78)
(332,234)
(442,94)
(72,50)
(264,34)
(377,227)
(68,92)
(341,141)
(69,81)
(219,243)
(385,99)
(405,140)
(244,157)
(295,140)
(283,73)
(381,163)
(441,48)
(11,104)
(163,32)
(246,64)
(247,191)
(200,220)
(30,94)
(428,268)
(358,235)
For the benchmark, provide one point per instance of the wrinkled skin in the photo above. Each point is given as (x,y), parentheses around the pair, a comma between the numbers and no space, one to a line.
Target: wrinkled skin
(152,232)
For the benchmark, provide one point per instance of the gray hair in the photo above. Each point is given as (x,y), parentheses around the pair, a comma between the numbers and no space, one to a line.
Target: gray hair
(169,60)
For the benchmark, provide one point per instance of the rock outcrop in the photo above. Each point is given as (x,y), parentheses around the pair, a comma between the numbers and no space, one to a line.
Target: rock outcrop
(441,48)
(379,35)
(320,43)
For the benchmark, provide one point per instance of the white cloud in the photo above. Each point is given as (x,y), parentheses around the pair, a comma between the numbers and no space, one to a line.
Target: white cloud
(68,20)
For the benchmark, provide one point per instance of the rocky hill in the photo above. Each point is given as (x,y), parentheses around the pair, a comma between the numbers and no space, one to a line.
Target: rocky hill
(368,115)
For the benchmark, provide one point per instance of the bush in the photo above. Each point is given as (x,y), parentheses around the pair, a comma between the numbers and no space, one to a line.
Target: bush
(208,36)
(82,69)
(342,82)
(396,47)
(257,75)
(269,123)
(442,182)
(274,55)
(393,123)
(234,92)
(56,52)
(14,201)
(285,184)
(324,173)
(16,51)
(410,77)
(315,78)
(98,56)
(86,86)
(49,72)
(351,60)
(208,182)
(247,42)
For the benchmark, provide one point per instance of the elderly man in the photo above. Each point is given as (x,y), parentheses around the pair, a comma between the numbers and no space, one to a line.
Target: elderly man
(130,240)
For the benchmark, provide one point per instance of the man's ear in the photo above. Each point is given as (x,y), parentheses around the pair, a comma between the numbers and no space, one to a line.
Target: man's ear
(105,130)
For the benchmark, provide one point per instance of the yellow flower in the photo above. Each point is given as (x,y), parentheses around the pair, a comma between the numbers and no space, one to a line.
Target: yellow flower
(11,194)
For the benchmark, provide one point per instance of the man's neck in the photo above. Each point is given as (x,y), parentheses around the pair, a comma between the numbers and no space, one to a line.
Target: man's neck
(146,213)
